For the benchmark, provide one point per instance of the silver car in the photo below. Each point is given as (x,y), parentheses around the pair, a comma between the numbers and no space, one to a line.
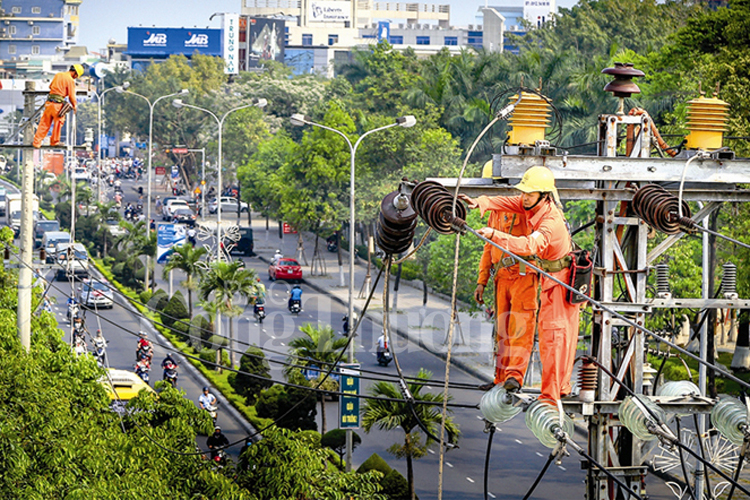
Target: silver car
(96,294)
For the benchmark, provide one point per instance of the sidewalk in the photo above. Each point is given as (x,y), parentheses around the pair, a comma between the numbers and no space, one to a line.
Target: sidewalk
(425,325)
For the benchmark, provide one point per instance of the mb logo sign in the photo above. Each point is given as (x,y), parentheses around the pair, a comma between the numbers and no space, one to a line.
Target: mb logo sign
(156,39)
(197,40)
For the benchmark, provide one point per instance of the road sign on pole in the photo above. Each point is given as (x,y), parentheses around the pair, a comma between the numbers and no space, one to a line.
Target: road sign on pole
(180,151)
(349,405)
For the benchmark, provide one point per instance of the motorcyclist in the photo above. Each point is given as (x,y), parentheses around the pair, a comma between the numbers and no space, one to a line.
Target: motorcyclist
(345,319)
(207,399)
(276,256)
(295,295)
(99,347)
(72,308)
(382,349)
(145,348)
(142,367)
(216,442)
(191,234)
(168,364)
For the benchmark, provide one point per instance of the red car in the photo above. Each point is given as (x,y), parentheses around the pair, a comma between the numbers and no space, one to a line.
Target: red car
(285,269)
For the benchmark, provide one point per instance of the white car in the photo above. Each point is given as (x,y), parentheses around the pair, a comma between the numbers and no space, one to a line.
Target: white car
(80,174)
(171,206)
(228,205)
(114,227)
(96,295)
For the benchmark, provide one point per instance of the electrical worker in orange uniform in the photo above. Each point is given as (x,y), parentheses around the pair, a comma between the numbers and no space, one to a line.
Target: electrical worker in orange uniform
(515,302)
(63,85)
(549,243)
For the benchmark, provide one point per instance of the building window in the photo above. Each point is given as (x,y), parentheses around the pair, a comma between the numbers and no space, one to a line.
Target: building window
(12,30)
(307,40)
(423,40)
(475,39)
(36,10)
(36,50)
(333,39)
(11,49)
(36,30)
(15,10)
(396,40)
(451,40)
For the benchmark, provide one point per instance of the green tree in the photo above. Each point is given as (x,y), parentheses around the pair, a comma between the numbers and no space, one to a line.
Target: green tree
(254,362)
(288,407)
(285,464)
(391,415)
(319,347)
(224,281)
(335,439)
(187,259)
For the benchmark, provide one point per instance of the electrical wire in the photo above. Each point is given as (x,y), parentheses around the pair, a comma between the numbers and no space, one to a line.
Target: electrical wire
(539,476)
(489,427)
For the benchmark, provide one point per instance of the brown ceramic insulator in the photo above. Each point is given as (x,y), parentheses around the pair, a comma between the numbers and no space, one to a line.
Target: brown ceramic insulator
(396,227)
(623,85)
(659,208)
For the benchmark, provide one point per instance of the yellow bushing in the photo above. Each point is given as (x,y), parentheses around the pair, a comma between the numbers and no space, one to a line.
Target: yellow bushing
(487,170)
(707,119)
(529,120)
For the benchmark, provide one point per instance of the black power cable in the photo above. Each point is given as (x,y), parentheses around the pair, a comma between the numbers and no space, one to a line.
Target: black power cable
(550,458)
(489,427)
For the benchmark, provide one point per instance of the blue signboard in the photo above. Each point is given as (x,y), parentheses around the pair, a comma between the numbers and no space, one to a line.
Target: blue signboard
(168,236)
(349,405)
(384,30)
(164,42)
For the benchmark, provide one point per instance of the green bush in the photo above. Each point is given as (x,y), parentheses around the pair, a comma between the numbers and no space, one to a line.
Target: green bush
(181,329)
(254,362)
(395,486)
(208,356)
(335,439)
(275,401)
(311,438)
(375,462)
(200,329)
(146,295)
(158,300)
(174,310)
(216,341)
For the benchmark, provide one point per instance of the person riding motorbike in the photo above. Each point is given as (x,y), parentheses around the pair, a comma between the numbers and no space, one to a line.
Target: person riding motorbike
(346,327)
(208,402)
(216,442)
(383,355)
(100,344)
(295,297)
(144,349)
(191,236)
(142,367)
(169,365)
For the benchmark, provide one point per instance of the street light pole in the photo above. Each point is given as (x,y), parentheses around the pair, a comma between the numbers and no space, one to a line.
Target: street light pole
(404,121)
(121,89)
(260,103)
(99,97)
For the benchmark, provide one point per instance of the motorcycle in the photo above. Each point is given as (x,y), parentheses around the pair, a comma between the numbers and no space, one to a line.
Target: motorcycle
(384,358)
(170,374)
(213,411)
(142,369)
(144,352)
(332,246)
(260,313)
(295,306)
(99,351)
(73,311)
(80,346)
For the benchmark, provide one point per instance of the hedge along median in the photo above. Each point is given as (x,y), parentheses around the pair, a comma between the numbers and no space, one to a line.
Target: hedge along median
(218,379)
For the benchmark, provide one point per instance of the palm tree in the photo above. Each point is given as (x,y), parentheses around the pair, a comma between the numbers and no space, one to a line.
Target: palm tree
(225,280)
(389,415)
(186,258)
(320,347)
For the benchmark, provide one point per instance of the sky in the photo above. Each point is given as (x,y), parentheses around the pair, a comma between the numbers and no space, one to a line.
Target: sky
(101,20)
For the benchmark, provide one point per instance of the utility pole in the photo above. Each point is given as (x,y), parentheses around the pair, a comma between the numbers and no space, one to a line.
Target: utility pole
(26,242)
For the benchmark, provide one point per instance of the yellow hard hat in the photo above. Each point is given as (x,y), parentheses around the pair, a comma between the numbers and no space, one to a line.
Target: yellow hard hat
(78,69)
(537,180)
(487,170)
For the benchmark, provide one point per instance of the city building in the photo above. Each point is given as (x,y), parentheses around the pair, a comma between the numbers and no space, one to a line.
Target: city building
(36,30)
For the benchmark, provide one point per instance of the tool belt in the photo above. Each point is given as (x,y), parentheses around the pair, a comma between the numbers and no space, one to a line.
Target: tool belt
(580,276)
(554,266)
(55,98)
(66,107)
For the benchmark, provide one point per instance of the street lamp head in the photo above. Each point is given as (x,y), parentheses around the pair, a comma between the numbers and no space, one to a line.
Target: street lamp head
(261,103)
(125,85)
(298,119)
(184,91)
(406,121)
(177,103)
(120,89)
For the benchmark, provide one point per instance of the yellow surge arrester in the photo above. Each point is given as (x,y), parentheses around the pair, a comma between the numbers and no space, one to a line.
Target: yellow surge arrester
(529,120)
(707,119)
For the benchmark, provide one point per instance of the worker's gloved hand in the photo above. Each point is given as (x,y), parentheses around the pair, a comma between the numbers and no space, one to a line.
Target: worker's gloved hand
(486,232)
(478,294)
(470,202)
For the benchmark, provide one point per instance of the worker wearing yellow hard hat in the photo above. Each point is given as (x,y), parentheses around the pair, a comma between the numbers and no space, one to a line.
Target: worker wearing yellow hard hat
(548,245)
(63,87)
(515,300)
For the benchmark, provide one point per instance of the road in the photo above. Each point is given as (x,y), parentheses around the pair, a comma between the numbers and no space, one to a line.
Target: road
(517,456)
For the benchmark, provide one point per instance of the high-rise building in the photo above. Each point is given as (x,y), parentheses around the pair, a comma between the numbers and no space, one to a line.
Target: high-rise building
(37,29)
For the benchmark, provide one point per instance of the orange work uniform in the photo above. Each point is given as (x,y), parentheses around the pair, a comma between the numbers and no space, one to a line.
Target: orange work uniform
(515,301)
(558,319)
(63,85)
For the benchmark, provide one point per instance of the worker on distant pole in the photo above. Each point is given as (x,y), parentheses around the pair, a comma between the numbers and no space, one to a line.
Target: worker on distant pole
(63,86)
(515,301)
(550,243)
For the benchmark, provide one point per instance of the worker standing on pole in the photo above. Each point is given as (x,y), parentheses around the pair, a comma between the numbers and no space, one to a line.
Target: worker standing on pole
(549,243)
(63,86)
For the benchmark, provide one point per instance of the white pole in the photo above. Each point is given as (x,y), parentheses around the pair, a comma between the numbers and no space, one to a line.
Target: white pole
(23,317)
(170,283)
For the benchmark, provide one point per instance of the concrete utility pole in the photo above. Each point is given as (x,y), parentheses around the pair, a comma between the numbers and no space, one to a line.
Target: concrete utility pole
(26,242)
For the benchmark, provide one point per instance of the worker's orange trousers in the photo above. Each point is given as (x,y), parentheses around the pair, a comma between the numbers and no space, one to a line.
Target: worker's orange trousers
(516,305)
(51,112)
(558,338)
